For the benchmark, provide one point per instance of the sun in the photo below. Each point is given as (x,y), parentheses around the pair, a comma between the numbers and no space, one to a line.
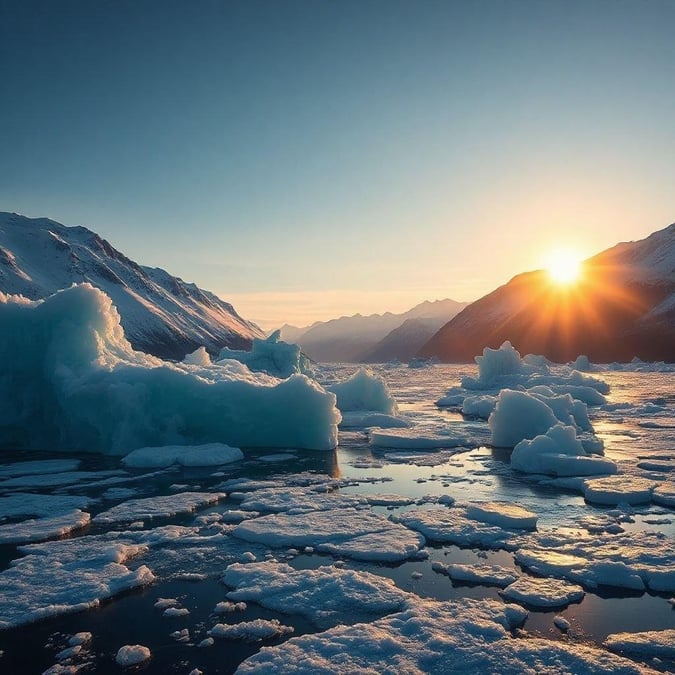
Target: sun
(564,267)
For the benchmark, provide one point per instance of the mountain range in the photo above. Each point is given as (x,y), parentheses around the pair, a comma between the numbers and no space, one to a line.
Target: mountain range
(375,338)
(161,314)
(623,306)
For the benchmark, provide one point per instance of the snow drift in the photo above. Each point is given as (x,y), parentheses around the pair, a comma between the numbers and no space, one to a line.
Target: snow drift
(70,380)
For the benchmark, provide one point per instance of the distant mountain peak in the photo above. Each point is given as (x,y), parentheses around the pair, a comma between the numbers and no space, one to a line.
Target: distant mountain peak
(161,314)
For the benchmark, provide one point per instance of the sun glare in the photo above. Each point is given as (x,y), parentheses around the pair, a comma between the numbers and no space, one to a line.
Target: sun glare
(564,267)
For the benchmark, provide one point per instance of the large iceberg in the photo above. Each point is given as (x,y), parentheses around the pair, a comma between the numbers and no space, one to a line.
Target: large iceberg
(70,380)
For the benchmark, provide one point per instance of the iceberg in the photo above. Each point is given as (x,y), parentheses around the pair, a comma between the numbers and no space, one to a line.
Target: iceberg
(271,356)
(70,380)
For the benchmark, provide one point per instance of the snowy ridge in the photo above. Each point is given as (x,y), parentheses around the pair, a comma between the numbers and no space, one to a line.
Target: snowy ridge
(161,314)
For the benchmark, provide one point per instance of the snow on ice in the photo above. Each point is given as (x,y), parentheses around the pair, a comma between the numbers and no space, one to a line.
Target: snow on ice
(326,596)
(465,636)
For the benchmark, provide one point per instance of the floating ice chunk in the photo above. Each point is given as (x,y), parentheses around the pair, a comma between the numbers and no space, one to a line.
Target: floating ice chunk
(277,457)
(226,606)
(561,623)
(298,499)
(364,391)
(271,356)
(81,638)
(453,526)
(487,575)
(453,398)
(174,612)
(206,642)
(211,454)
(619,490)
(356,533)
(358,419)
(158,507)
(43,528)
(68,653)
(423,439)
(34,504)
(379,499)
(199,357)
(132,655)
(182,635)
(325,596)
(436,637)
(66,576)
(39,466)
(632,560)
(77,384)
(479,406)
(558,452)
(164,603)
(251,631)
(655,643)
(517,416)
(543,592)
(55,480)
(664,495)
(502,514)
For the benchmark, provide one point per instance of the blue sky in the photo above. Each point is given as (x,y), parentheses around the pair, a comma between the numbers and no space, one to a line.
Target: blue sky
(312,159)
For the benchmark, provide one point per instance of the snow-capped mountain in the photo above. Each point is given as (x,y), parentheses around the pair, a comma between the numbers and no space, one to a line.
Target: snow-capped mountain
(623,306)
(161,314)
(352,339)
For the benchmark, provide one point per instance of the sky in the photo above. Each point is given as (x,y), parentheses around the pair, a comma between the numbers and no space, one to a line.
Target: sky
(307,160)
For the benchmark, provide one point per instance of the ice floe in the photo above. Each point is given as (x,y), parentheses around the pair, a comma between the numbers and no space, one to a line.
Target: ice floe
(251,631)
(487,575)
(419,438)
(325,596)
(619,489)
(211,454)
(67,576)
(157,507)
(502,514)
(355,533)
(656,643)
(132,655)
(538,592)
(454,526)
(467,636)
(635,560)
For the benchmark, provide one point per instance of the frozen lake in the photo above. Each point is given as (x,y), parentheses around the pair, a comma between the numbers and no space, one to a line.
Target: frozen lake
(347,520)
